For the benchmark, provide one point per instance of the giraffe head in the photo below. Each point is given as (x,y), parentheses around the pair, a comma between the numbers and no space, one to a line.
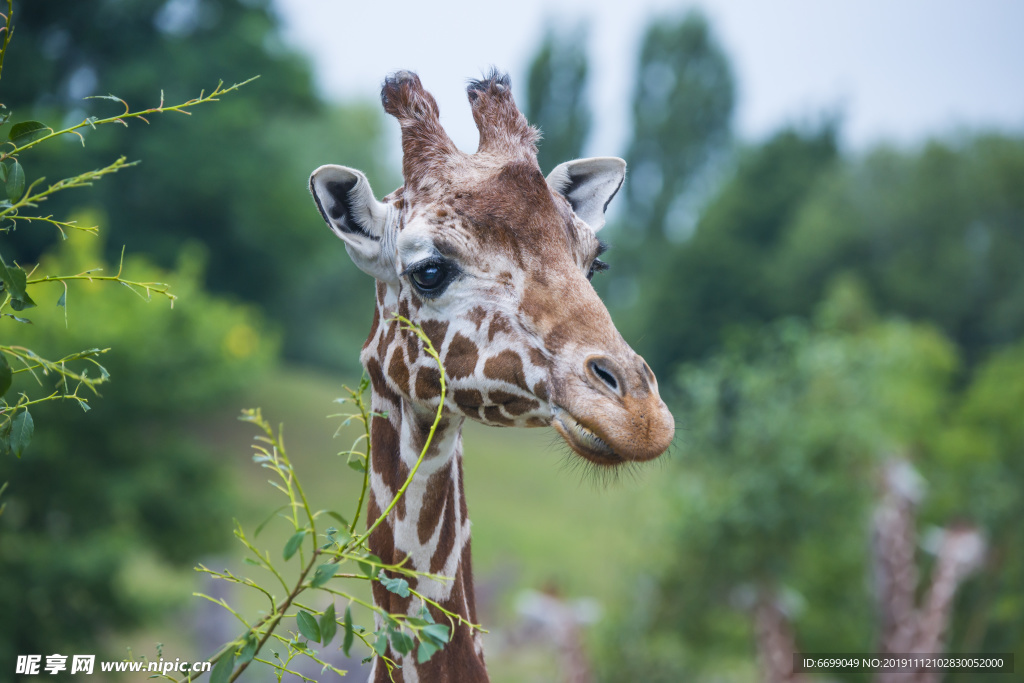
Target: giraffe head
(494,261)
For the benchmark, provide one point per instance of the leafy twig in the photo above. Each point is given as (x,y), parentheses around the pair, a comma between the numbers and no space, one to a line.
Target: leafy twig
(93,122)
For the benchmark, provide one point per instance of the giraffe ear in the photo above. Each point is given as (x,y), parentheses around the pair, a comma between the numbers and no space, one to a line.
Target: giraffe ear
(589,185)
(346,202)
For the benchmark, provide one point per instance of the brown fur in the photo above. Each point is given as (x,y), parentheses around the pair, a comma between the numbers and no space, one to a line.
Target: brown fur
(506,366)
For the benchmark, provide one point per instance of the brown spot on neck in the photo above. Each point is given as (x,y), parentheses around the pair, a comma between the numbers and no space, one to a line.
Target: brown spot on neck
(514,404)
(428,383)
(507,366)
(494,414)
(476,315)
(398,371)
(460,360)
(436,330)
(499,323)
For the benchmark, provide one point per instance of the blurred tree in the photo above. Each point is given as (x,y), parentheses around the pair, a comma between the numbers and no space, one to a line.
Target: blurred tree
(722,277)
(979,474)
(682,121)
(232,176)
(786,434)
(556,100)
(107,510)
(937,234)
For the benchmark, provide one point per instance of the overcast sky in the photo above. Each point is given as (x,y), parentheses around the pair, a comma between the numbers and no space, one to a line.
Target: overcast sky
(897,70)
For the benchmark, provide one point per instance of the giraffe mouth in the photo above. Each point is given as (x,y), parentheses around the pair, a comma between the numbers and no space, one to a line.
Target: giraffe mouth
(583,440)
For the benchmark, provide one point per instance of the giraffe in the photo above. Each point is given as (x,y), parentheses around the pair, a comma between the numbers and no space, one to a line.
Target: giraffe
(493,261)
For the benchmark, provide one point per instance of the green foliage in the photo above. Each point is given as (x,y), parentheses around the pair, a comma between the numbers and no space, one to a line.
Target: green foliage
(934,233)
(785,432)
(978,465)
(722,278)
(232,176)
(556,100)
(682,130)
(100,496)
(682,116)
(94,502)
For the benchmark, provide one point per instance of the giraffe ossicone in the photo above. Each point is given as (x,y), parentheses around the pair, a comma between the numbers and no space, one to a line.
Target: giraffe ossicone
(493,261)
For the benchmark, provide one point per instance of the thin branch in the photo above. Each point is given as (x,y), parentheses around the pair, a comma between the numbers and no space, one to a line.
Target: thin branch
(60,225)
(82,180)
(93,122)
(429,348)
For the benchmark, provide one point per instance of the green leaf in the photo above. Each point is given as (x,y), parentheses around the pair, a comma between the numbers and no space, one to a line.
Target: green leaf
(21,432)
(402,643)
(367,568)
(438,634)
(399,587)
(341,520)
(223,668)
(63,300)
(357,465)
(27,131)
(3,173)
(15,280)
(293,543)
(425,651)
(346,644)
(249,651)
(15,182)
(6,375)
(323,574)
(22,304)
(425,614)
(267,520)
(328,625)
(380,646)
(308,626)
(24,321)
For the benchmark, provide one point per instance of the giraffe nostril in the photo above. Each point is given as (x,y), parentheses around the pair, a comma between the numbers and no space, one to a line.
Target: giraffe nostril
(650,373)
(604,373)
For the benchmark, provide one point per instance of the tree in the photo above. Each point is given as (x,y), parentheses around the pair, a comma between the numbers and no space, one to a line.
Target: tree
(108,507)
(110,490)
(682,129)
(978,474)
(556,96)
(935,234)
(787,435)
(682,121)
(724,277)
(232,176)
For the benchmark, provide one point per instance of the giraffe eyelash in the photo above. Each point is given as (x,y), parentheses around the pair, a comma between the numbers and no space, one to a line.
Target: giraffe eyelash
(596,267)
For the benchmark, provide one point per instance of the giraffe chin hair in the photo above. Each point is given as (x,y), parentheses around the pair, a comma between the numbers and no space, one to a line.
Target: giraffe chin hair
(584,441)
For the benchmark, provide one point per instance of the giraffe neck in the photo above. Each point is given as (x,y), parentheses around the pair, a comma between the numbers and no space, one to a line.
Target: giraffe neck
(429,526)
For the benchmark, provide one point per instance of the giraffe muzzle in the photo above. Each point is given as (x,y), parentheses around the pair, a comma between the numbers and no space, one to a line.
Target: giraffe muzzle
(583,440)
(611,412)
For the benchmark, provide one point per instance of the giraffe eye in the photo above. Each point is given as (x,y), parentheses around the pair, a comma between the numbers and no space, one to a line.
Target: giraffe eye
(431,278)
